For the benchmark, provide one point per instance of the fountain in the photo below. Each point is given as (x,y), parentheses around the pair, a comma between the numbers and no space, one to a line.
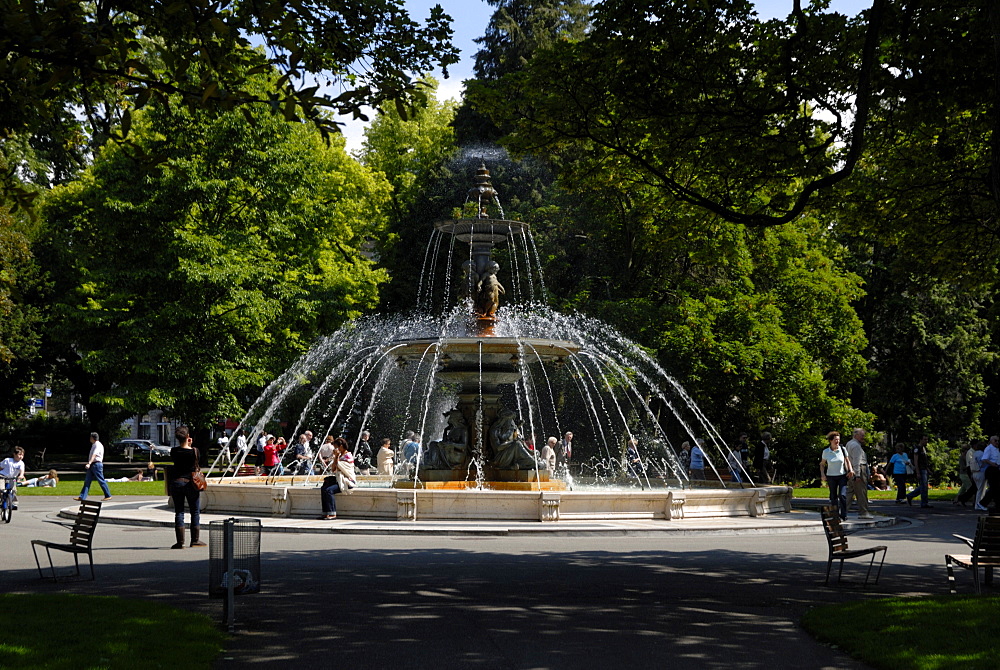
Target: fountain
(489,379)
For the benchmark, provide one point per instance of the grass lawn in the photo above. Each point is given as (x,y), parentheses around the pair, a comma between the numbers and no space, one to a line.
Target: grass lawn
(913,634)
(71,487)
(66,631)
(939,494)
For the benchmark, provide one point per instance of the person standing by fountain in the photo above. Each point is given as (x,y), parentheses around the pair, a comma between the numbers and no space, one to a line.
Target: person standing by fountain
(632,458)
(363,454)
(744,448)
(386,458)
(302,453)
(835,469)
(547,455)
(182,488)
(564,452)
(411,452)
(735,465)
(696,469)
(326,455)
(762,458)
(342,481)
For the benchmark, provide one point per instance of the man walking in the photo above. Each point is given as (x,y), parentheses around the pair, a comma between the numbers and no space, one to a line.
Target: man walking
(991,465)
(95,469)
(858,487)
(762,458)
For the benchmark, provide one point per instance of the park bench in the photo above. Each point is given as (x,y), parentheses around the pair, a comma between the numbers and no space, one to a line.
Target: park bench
(81,539)
(985,553)
(836,538)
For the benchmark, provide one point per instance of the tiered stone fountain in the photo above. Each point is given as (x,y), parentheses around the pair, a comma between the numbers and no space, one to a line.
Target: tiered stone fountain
(481,465)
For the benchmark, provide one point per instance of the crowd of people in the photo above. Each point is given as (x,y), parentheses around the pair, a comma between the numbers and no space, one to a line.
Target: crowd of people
(744,462)
(849,473)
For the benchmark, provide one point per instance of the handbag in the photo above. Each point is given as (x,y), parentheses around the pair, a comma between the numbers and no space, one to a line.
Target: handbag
(199,480)
(197,477)
(909,468)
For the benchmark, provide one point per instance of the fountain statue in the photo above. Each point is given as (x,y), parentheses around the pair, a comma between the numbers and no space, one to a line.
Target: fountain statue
(486,381)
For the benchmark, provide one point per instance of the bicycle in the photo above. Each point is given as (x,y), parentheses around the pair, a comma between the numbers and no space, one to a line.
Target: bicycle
(7,498)
(37,459)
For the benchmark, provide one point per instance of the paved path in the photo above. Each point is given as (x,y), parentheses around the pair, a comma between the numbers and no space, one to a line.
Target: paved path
(625,597)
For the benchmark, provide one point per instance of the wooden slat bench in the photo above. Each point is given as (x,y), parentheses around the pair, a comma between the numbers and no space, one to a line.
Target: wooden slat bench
(985,553)
(81,539)
(837,540)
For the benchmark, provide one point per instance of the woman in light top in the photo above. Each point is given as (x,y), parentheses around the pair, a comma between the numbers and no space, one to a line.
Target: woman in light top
(50,479)
(835,469)
(342,480)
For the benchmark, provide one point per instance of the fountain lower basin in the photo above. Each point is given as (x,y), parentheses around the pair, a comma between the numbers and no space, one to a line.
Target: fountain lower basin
(280,498)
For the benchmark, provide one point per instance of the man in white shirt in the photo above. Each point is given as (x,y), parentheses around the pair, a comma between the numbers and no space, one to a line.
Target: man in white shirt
(95,469)
(858,486)
(13,468)
(991,465)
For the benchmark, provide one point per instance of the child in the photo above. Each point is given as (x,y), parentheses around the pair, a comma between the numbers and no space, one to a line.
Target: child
(13,468)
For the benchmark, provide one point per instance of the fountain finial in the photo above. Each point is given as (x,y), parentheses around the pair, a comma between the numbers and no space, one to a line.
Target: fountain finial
(483,192)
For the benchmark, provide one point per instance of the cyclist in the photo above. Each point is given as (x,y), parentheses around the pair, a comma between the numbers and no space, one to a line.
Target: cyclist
(12,470)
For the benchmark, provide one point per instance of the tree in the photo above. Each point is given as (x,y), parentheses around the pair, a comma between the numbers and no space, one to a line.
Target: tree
(193,283)
(19,318)
(758,325)
(517,29)
(931,343)
(108,58)
(926,184)
(408,149)
(702,101)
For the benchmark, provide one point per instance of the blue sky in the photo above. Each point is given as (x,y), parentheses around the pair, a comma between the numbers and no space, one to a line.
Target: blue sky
(470,18)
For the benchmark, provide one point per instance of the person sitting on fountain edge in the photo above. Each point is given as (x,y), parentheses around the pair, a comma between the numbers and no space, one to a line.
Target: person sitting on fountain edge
(411,451)
(342,480)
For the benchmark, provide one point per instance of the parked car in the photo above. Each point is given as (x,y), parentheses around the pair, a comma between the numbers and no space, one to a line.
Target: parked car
(141,449)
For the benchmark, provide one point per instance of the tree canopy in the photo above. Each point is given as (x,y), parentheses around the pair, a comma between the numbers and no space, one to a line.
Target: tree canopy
(183,284)
(106,59)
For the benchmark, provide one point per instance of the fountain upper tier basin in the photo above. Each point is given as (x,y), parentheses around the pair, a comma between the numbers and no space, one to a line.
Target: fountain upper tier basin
(479,231)
(491,350)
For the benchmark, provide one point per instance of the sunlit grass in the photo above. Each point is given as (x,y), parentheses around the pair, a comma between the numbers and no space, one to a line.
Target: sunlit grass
(68,632)
(913,634)
(72,488)
(940,494)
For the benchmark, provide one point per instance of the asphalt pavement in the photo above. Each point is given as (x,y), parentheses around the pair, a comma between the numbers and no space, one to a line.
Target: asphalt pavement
(413,595)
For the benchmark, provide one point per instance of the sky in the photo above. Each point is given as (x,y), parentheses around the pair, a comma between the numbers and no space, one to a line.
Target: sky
(469,20)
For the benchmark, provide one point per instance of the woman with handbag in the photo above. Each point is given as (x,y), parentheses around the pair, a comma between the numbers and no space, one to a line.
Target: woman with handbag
(901,468)
(835,469)
(342,481)
(186,482)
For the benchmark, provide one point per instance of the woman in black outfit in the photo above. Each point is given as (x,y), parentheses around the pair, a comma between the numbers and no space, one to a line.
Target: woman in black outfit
(185,458)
